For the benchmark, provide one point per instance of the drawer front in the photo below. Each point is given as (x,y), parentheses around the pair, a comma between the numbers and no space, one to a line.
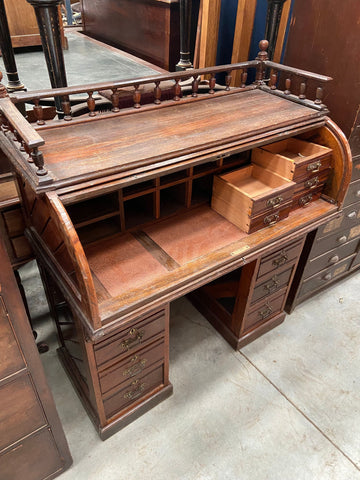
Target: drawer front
(356,261)
(264,310)
(284,256)
(348,218)
(21,412)
(268,219)
(33,459)
(11,359)
(14,222)
(274,201)
(353,194)
(302,200)
(307,167)
(133,390)
(132,366)
(356,168)
(325,244)
(117,346)
(323,278)
(312,182)
(271,285)
(330,258)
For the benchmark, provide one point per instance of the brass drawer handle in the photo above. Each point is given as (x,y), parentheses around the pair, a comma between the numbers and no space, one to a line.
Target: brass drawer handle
(136,367)
(312,183)
(280,260)
(271,219)
(334,259)
(135,338)
(273,285)
(357,194)
(314,167)
(305,200)
(351,215)
(266,312)
(274,202)
(327,277)
(342,239)
(136,392)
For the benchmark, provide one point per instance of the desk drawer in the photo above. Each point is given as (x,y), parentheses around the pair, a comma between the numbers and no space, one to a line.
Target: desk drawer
(330,258)
(284,256)
(36,457)
(264,310)
(312,182)
(14,222)
(132,366)
(271,285)
(11,359)
(133,390)
(325,244)
(117,346)
(353,193)
(314,283)
(305,197)
(348,218)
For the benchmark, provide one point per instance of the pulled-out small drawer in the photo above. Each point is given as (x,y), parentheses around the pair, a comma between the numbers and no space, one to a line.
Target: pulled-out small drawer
(286,255)
(353,193)
(134,389)
(330,258)
(132,366)
(312,183)
(113,348)
(293,158)
(319,280)
(273,284)
(264,310)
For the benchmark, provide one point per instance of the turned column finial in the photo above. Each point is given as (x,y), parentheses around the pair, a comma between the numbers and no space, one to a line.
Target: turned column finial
(263,46)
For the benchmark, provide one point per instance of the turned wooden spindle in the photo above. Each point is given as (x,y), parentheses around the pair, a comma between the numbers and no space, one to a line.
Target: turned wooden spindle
(38,160)
(22,146)
(319,95)
(273,81)
(212,83)
(228,79)
(262,56)
(287,86)
(115,97)
(91,104)
(157,93)
(66,107)
(195,86)
(137,97)
(177,90)
(243,79)
(302,94)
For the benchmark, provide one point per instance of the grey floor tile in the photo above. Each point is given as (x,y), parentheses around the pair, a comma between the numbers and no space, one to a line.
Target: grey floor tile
(314,358)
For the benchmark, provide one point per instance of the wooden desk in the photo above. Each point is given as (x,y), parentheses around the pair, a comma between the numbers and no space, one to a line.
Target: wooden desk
(119,215)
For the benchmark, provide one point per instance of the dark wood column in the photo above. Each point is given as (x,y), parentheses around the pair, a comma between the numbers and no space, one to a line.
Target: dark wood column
(185,22)
(8,53)
(47,16)
(273,18)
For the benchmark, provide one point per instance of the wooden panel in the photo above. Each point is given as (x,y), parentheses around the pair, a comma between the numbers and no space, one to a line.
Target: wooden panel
(209,32)
(20,412)
(14,222)
(264,311)
(11,358)
(353,194)
(271,285)
(23,26)
(35,458)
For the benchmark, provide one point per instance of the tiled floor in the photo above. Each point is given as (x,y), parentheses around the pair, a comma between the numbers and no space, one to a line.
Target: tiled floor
(284,407)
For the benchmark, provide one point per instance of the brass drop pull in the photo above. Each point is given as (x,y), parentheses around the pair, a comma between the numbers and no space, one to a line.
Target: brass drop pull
(135,338)
(305,200)
(136,392)
(312,183)
(273,285)
(327,277)
(357,194)
(314,167)
(274,202)
(271,219)
(334,259)
(280,260)
(266,312)
(135,368)
(351,215)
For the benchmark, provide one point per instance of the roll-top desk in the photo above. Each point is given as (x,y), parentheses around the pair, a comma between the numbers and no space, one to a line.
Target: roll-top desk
(121,217)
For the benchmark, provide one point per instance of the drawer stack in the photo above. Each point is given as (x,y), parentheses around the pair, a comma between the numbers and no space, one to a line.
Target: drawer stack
(305,163)
(247,303)
(133,363)
(333,250)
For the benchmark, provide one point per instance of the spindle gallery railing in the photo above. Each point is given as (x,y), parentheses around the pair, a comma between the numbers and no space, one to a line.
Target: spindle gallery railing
(29,139)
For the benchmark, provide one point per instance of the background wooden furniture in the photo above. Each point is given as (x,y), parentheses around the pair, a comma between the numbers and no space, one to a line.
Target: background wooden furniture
(32,444)
(148,29)
(118,212)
